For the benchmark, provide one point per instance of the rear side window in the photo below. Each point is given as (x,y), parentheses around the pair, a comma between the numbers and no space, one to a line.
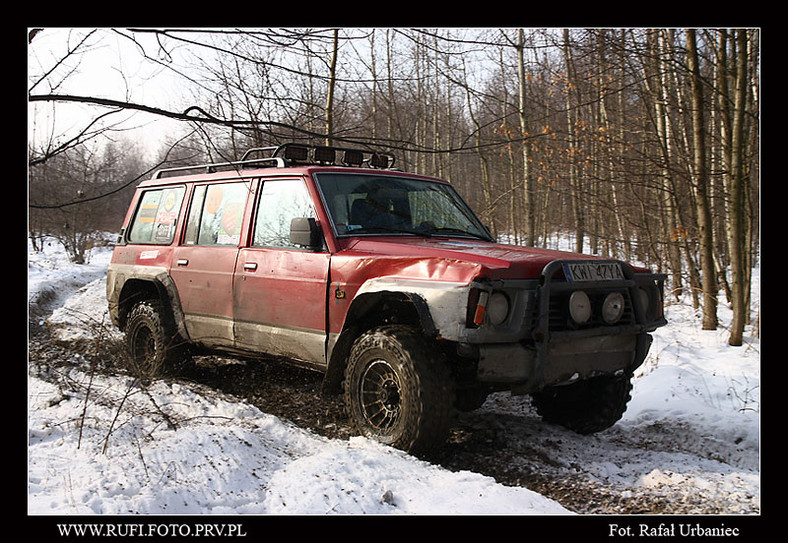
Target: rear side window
(156,217)
(216,214)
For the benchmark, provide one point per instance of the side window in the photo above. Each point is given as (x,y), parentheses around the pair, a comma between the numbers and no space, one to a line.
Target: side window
(280,202)
(156,216)
(216,214)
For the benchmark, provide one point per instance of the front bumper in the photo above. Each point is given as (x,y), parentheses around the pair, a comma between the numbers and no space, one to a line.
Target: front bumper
(524,369)
(539,345)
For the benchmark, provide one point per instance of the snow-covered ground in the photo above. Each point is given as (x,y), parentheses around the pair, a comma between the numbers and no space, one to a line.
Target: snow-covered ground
(99,445)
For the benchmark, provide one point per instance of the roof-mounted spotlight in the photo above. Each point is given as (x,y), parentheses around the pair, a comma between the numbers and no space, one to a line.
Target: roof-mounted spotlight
(325,155)
(296,153)
(353,157)
(378,161)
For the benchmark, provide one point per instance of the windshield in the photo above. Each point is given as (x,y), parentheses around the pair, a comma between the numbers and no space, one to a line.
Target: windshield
(378,204)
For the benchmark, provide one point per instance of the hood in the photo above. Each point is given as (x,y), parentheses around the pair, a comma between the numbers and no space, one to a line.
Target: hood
(495,260)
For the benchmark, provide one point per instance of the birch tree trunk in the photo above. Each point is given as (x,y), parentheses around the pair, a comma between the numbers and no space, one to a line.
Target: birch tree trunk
(736,231)
(330,93)
(573,145)
(529,196)
(702,205)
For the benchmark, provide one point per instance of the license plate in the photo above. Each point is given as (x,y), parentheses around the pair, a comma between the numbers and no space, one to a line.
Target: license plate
(593,271)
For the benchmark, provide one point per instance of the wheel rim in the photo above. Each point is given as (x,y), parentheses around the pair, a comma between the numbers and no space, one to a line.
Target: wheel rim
(380,395)
(143,347)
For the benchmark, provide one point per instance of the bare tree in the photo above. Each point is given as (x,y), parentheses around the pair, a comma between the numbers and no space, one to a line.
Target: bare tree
(701,182)
(738,244)
(641,139)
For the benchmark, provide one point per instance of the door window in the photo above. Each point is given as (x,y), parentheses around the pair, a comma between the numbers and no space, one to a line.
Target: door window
(281,200)
(216,214)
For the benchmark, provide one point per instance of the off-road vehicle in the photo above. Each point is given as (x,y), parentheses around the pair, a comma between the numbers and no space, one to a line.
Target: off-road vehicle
(385,281)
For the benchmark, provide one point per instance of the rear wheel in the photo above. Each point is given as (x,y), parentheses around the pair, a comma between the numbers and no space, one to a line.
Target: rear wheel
(151,343)
(397,389)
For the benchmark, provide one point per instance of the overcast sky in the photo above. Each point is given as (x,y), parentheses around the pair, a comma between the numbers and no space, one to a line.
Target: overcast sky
(107,65)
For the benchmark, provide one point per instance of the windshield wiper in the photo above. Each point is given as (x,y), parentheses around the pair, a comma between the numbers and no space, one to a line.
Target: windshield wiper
(444,231)
(459,231)
(388,230)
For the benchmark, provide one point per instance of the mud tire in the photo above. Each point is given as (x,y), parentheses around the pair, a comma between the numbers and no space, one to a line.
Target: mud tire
(151,343)
(398,389)
(585,407)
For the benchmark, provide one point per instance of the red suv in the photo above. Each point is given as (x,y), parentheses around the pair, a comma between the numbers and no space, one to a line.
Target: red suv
(384,281)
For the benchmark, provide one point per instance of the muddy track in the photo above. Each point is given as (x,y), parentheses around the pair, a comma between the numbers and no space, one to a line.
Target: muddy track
(504,439)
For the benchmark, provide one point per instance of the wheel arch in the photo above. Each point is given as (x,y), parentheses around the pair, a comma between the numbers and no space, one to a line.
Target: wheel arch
(159,287)
(368,310)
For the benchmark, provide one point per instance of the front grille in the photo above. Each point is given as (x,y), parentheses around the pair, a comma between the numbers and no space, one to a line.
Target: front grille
(559,319)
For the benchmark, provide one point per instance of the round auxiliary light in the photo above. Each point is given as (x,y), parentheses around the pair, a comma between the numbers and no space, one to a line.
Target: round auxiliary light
(497,308)
(613,307)
(579,307)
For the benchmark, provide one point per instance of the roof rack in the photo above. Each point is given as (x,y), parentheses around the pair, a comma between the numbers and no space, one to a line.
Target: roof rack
(300,153)
(290,154)
(215,167)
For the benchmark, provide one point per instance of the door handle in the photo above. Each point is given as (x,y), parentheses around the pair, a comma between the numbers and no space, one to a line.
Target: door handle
(183,262)
(251,266)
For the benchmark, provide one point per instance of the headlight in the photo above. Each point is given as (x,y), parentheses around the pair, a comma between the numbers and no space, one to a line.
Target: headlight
(579,307)
(613,307)
(497,308)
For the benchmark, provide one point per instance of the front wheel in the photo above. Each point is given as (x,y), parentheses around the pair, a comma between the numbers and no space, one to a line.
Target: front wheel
(397,389)
(585,407)
(151,345)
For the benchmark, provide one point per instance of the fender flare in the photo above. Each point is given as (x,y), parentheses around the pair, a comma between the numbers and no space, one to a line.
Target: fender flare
(124,284)
(363,301)
(427,298)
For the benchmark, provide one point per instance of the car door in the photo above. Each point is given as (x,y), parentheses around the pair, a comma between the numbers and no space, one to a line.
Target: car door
(204,262)
(280,288)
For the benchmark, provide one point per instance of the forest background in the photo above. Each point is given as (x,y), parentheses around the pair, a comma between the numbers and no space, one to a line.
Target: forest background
(637,143)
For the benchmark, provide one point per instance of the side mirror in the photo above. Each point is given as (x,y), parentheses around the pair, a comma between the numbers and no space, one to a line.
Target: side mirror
(306,233)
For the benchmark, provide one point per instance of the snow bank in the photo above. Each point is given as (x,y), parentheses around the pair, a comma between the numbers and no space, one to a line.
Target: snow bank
(694,378)
(225,457)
